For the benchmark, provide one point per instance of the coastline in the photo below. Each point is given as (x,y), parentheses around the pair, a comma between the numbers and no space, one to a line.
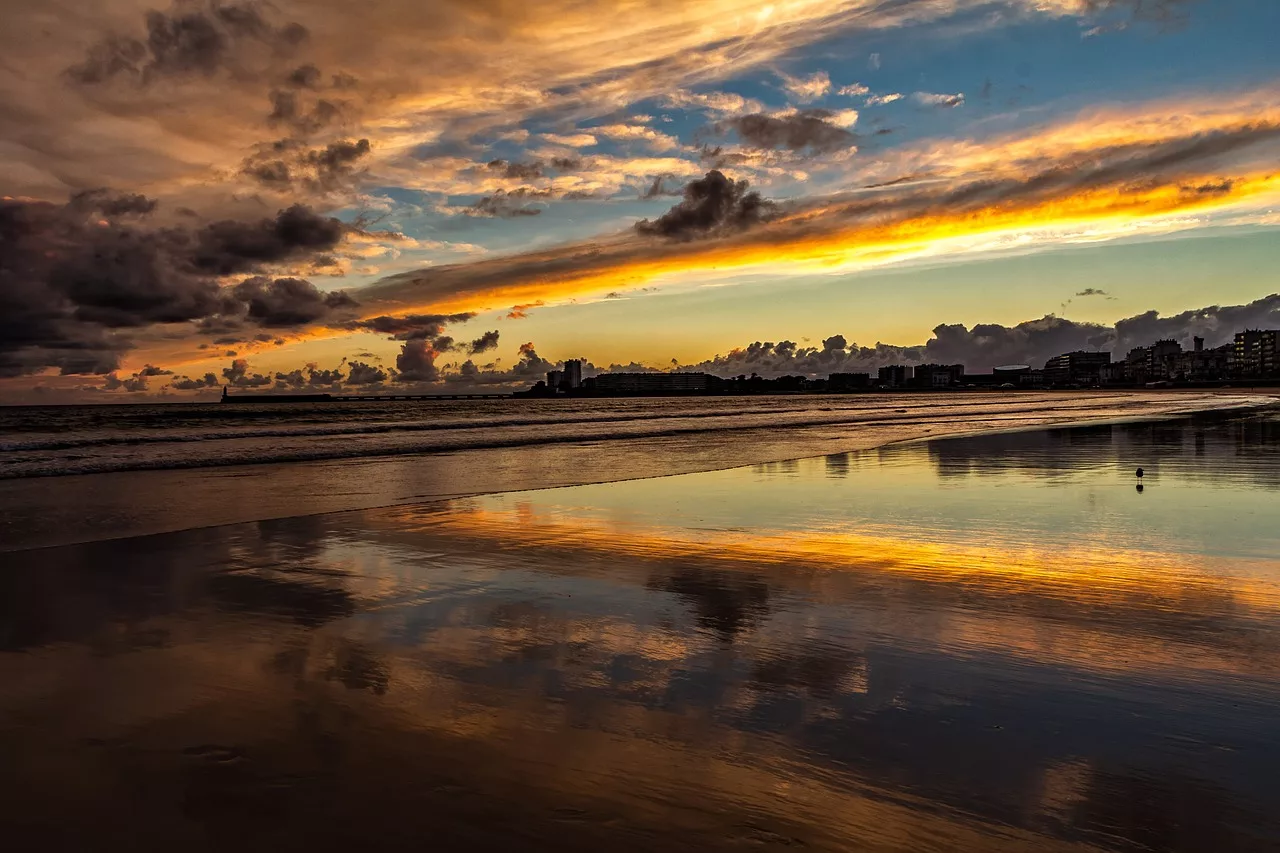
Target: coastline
(142,503)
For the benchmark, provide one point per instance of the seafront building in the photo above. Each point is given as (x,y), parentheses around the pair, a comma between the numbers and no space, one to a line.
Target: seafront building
(656,383)
(896,375)
(1252,356)
(938,375)
(1076,368)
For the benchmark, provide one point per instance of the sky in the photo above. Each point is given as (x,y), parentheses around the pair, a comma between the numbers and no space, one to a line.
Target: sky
(454,194)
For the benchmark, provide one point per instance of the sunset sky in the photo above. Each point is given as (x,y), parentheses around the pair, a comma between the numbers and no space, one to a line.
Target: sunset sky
(464,193)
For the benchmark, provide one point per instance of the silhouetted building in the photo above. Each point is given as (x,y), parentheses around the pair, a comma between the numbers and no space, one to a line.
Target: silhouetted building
(1254,354)
(848,381)
(1076,368)
(1204,365)
(896,375)
(573,373)
(656,383)
(1115,373)
(938,375)
(1011,373)
(555,378)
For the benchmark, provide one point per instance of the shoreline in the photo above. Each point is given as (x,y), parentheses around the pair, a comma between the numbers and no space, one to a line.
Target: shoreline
(249,472)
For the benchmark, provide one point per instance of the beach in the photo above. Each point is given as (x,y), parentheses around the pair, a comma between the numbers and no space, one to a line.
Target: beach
(992,641)
(81,473)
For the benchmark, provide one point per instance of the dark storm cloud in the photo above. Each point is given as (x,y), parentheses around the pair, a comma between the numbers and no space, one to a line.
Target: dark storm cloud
(508,205)
(188,40)
(234,246)
(659,188)
(407,327)
(289,165)
(362,373)
(70,275)
(311,376)
(799,131)
(1091,291)
(711,204)
(304,117)
(484,343)
(238,375)
(566,164)
(185,383)
(304,77)
(417,362)
(112,204)
(1216,324)
(287,301)
(520,171)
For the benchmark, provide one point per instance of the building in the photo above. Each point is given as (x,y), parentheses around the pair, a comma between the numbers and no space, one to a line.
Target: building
(1076,368)
(1115,373)
(1204,365)
(1011,373)
(848,381)
(938,375)
(657,383)
(555,378)
(896,375)
(573,373)
(1253,355)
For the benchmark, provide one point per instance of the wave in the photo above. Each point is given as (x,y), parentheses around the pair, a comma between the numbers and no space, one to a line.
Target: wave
(223,449)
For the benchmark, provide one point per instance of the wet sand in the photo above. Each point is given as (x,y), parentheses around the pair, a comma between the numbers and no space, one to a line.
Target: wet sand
(984,643)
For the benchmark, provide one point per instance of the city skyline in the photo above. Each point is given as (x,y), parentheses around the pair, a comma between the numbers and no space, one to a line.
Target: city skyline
(453,195)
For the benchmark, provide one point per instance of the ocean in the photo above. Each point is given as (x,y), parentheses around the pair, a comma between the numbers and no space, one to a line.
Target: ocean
(79,473)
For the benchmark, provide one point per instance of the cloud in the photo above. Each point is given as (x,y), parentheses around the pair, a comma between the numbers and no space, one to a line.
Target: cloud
(135,383)
(184,383)
(806,89)
(238,375)
(711,205)
(853,90)
(289,166)
(417,362)
(987,345)
(187,40)
(571,140)
(881,100)
(484,343)
(409,326)
(72,275)
(311,376)
(804,130)
(508,205)
(1091,291)
(362,373)
(658,188)
(516,170)
(717,103)
(656,140)
(930,99)
(287,301)
(520,312)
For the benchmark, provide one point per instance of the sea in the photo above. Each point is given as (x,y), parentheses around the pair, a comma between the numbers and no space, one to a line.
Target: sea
(80,473)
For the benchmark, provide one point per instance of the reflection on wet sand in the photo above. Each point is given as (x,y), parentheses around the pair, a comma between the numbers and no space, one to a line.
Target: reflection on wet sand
(990,643)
